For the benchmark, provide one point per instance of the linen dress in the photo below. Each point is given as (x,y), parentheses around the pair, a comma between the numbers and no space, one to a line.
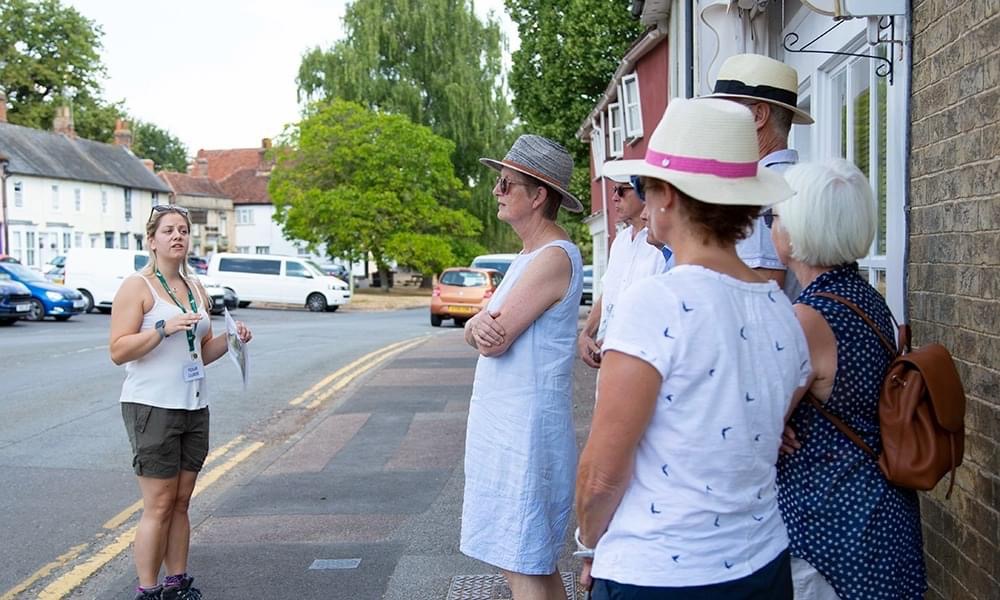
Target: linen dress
(844,518)
(520,447)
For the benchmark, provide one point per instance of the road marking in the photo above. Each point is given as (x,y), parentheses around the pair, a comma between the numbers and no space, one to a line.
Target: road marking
(44,571)
(361,370)
(80,351)
(118,520)
(344,370)
(335,563)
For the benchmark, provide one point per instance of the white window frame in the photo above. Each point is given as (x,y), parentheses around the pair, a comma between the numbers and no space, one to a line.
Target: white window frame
(55,197)
(244,216)
(598,145)
(18,194)
(104,202)
(127,197)
(77,200)
(633,127)
(78,239)
(616,132)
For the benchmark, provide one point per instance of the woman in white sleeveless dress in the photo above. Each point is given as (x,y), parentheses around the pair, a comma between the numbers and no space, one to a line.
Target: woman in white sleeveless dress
(520,453)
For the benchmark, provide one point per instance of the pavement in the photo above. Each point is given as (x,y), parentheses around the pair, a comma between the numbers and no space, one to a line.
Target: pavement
(361,502)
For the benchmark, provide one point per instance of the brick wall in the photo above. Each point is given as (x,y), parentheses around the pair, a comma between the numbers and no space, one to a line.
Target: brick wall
(954,270)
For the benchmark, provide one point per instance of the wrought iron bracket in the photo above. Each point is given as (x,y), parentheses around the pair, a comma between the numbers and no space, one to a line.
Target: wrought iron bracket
(884,23)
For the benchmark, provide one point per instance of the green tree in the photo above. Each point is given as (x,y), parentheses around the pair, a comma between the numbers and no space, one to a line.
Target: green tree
(366,183)
(165,149)
(50,55)
(569,52)
(435,62)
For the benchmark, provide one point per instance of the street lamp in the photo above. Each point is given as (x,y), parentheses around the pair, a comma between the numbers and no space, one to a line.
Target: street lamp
(4,161)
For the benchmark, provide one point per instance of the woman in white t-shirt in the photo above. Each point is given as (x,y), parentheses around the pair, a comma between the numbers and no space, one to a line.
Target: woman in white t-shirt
(676,486)
(161,332)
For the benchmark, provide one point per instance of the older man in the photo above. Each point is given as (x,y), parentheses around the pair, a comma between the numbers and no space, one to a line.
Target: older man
(631,259)
(769,88)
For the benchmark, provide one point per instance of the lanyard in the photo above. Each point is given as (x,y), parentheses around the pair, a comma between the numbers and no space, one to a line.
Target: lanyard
(194,309)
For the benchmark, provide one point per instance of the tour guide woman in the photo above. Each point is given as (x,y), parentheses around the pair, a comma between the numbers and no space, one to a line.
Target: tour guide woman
(161,332)
(676,489)
(520,448)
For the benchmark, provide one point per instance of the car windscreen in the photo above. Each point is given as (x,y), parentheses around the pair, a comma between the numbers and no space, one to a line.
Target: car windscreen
(501,266)
(464,278)
(316,270)
(24,273)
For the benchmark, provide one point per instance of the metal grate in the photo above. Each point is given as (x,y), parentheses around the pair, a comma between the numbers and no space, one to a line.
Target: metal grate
(494,587)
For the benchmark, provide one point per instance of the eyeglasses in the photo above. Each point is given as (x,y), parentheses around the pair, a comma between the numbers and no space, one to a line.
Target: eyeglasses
(162,208)
(503,184)
(619,190)
(769,216)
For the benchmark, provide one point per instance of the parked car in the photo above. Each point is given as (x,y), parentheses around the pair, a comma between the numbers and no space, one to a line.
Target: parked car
(198,264)
(499,262)
(47,299)
(15,299)
(55,269)
(6,258)
(282,279)
(588,285)
(462,292)
(334,270)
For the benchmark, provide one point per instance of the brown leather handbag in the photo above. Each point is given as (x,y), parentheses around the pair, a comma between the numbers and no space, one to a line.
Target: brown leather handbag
(921,412)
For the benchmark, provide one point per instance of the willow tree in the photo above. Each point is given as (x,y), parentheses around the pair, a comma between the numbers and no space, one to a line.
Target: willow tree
(438,64)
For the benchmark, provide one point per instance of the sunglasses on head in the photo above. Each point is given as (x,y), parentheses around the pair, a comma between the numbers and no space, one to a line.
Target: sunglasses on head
(503,185)
(163,208)
(769,215)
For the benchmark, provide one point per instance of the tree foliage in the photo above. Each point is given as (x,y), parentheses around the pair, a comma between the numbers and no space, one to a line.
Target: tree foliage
(50,55)
(165,150)
(368,183)
(435,62)
(569,52)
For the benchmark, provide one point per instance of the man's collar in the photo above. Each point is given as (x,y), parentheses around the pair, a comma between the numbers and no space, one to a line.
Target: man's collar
(786,156)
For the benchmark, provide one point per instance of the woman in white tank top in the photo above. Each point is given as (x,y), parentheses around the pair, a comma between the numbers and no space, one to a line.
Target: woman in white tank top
(161,332)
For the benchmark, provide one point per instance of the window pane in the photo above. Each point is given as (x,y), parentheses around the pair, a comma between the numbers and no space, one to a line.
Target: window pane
(861,127)
(840,102)
(802,134)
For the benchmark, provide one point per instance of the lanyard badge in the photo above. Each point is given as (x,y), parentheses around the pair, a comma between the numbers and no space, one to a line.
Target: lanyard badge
(194,309)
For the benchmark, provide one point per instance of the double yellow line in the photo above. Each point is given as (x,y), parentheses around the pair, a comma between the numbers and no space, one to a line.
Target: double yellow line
(312,398)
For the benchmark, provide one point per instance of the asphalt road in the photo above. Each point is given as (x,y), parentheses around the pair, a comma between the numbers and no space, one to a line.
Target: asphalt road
(64,458)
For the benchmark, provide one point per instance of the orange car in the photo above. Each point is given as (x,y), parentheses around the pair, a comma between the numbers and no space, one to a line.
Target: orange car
(462,292)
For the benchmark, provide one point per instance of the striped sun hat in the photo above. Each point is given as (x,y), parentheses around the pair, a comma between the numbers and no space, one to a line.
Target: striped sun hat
(707,148)
(544,160)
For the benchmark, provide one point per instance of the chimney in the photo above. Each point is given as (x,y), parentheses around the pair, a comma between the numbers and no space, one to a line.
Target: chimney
(149,164)
(3,107)
(263,164)
(123,136)
(265,143)
(63,121)
(202,168)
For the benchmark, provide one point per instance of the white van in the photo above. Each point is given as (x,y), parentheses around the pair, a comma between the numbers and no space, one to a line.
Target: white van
(97,273)
(499,262)
(281,279)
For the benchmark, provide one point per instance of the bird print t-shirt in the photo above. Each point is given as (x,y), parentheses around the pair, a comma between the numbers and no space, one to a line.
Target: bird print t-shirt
(702,507)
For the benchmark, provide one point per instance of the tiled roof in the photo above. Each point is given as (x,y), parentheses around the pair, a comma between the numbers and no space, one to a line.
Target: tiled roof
(47,154)
(190,185)
(223,163)
(246,186)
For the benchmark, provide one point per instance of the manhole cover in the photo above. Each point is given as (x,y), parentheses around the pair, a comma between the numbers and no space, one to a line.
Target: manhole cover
(494,587)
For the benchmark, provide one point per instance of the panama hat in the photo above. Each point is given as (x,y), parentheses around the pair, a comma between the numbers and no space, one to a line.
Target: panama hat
(758,77)
(544,160)
(707,148)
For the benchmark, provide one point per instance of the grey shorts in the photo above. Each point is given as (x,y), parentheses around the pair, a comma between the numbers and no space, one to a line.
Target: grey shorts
(166,441)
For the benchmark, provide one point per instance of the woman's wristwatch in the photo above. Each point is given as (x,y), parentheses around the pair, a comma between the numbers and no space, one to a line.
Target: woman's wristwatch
(161,328)
(581,550)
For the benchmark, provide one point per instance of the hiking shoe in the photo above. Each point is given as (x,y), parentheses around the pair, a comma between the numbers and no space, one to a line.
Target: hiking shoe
(184,591)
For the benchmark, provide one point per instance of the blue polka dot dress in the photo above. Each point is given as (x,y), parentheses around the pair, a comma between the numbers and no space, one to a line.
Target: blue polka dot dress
(843,517)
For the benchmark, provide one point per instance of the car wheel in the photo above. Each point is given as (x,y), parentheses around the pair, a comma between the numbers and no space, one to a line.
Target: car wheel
(89,308)
(37,310)
(332,308)
(316,303)
(63,317)
(104,310)
(435,320)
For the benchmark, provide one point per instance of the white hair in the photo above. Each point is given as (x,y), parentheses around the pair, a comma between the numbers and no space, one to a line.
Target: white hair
(831,219)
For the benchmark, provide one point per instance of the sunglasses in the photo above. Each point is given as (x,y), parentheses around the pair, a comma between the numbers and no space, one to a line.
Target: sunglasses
(163,208)
(503,185)
(769,216)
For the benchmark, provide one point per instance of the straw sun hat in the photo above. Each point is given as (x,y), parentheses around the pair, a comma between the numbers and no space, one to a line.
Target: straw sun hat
(707,148)
(758,77)
(543,159)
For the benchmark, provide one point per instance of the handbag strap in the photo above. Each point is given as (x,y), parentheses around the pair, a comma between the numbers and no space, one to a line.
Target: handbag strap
(881,336)
(843,427)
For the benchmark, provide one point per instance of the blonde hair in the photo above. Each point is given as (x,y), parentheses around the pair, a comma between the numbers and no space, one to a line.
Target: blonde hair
(189,278)
(831,220)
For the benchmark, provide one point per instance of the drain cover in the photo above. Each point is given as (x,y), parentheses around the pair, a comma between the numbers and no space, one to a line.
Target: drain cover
(494,587)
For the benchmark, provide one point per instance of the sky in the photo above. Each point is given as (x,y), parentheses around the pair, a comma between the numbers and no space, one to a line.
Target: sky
(218,73)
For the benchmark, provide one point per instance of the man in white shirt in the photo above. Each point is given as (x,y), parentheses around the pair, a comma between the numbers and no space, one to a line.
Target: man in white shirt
(631,259)
(769,88)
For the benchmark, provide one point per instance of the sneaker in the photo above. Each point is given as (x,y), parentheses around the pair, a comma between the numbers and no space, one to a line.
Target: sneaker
(149,594)
(185,591)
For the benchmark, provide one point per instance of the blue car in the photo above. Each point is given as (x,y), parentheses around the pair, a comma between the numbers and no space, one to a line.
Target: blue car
(15,300)
(47,298)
